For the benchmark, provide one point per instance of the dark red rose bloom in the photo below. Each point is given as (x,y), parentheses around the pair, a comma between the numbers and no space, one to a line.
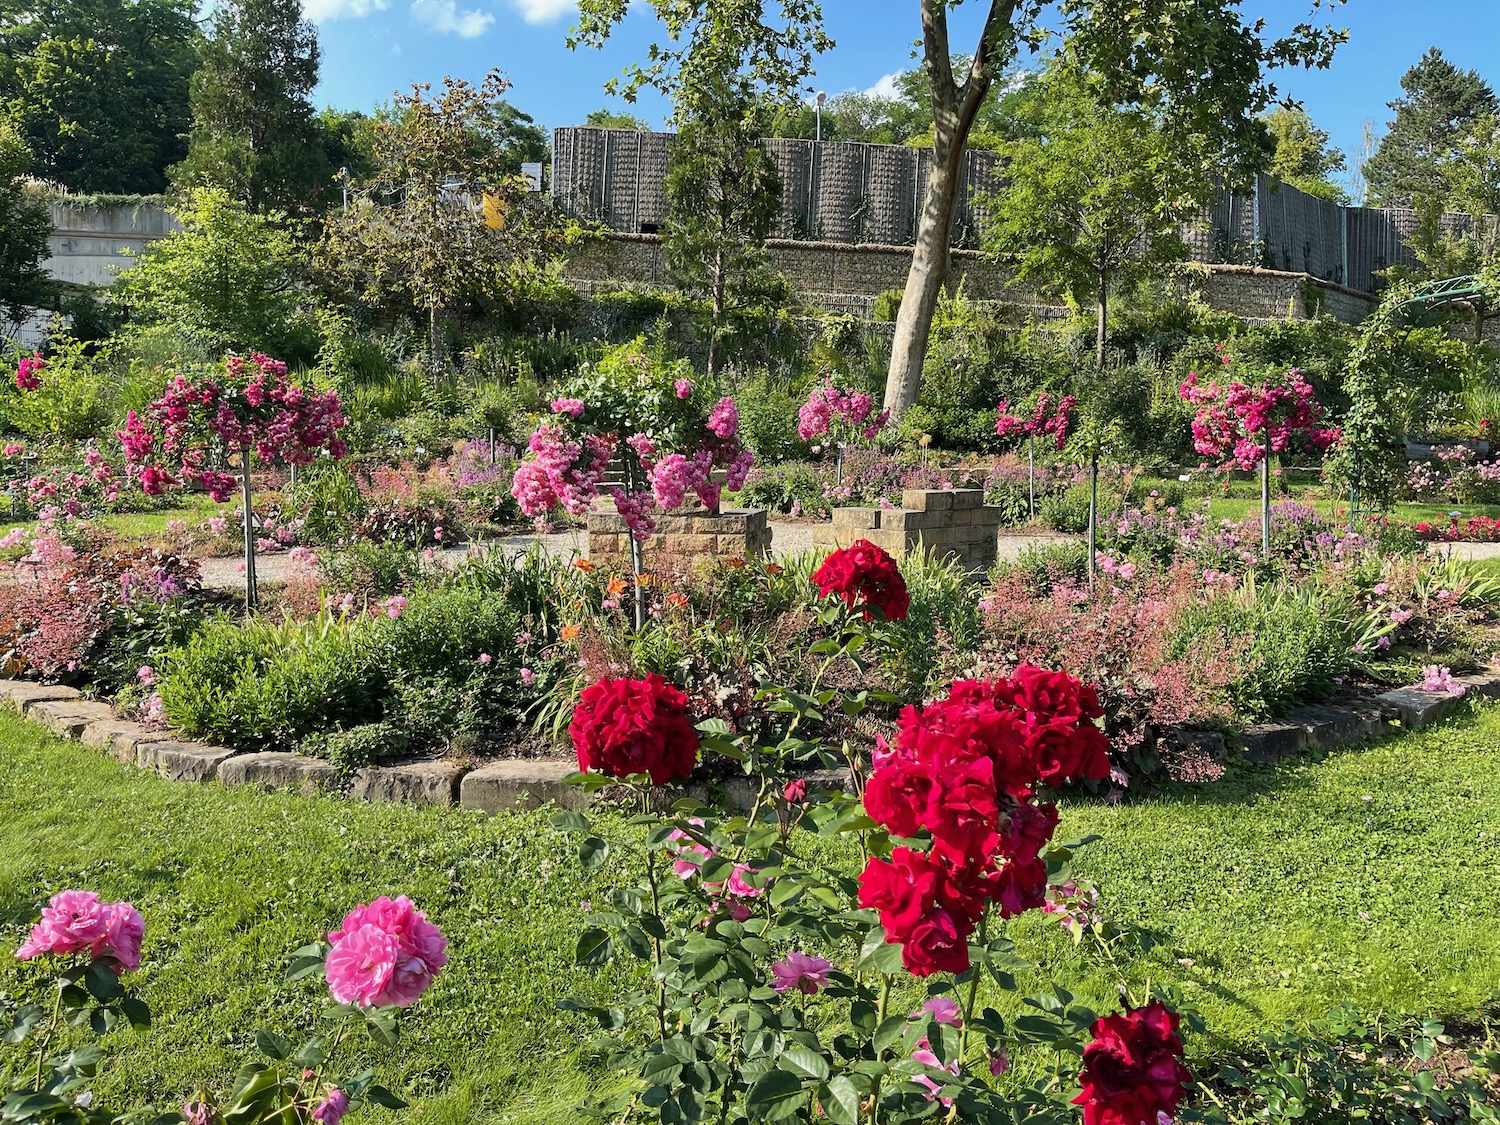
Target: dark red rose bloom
(897,795)
(927,906)
(1133,1068)
(624,727)
(865,577)
(939,943)
(903,888)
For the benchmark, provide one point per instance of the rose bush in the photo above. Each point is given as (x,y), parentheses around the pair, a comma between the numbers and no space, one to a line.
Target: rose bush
(622,728)
(866,578)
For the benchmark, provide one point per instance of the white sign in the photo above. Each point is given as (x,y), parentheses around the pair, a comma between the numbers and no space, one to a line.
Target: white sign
(532,174)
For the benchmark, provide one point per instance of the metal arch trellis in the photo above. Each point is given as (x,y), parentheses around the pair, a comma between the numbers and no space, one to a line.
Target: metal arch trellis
(1412,311)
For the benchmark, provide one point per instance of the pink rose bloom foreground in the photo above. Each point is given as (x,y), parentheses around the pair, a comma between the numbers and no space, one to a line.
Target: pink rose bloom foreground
(76,922)
(386,955)
(801,971)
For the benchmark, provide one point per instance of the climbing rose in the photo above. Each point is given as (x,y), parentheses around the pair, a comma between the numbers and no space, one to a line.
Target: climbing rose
(865,577)
(624,727)
(77,922)
(801,971)
(386,953)
(1132,1071)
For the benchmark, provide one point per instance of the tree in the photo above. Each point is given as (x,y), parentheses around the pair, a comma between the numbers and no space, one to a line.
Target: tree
(608,119)
(24,227)
(1302,157)
(445,218)
(253,130)
(723,195)
(1095,197)
(98,88)
(1442,102)
(229,280)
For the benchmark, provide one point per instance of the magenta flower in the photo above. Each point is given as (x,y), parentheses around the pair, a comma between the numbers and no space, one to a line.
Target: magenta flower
(943,1009)
(387,953)
(691,855)
(77,922)
(683,387)
(394,606)
(801,971)
(332,1108)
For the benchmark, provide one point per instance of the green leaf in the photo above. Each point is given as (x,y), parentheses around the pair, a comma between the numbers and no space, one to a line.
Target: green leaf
(888,1034)
(595,947)
(592,852)
(879,955)
(381,1024)
(776,1096)
(271,1045)
(102,981)
(135,1010)
(383,1097)
(839,1098)
(804,1062)
(569,821)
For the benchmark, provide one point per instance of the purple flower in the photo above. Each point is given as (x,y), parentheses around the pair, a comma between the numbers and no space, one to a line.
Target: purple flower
(802,971)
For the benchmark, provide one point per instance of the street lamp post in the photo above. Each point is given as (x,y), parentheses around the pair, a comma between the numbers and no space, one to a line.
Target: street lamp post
(818,105)
(344,177)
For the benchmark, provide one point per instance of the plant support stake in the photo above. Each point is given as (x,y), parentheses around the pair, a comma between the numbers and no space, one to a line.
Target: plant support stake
(252,596)
(1265,506)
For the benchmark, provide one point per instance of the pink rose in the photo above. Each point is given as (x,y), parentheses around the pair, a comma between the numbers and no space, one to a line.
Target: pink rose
(387,953)
(331,1110)
(72,921)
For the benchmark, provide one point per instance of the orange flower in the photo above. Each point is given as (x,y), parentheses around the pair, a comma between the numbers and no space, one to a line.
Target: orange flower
(735,563)
(569,633)
(616,586)
(583,564)
(775,570)
(643,580)
(676,601)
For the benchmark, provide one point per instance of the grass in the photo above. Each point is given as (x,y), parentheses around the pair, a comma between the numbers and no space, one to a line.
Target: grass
(1243,503)
(1363,877)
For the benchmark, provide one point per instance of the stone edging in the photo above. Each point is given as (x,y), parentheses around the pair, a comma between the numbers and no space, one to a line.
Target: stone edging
(531,783)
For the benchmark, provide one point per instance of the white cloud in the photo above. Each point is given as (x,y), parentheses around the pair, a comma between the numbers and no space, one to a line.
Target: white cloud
(444,16)
(886,88)
(322,11)
(544,11)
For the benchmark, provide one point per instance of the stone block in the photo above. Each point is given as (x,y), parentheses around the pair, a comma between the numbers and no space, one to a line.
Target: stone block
(521,784)
(1485,684)
(606,523)
(968,498)
(858,519)
(1329,727)
(1270,742)
(1416,708)
(106,733)
(990,517)
(897,519)
(16,694)
(188,761)
(415,783)
(927,499)
(277,771)
(66,718)
(728,523)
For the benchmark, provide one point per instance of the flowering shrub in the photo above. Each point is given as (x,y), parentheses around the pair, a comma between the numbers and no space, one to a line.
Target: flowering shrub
(1244,424)
(1474,529)
(866,578)
(840,412)
(28,376)
(1045,417)
(248,404)
(622,728)
(646,413)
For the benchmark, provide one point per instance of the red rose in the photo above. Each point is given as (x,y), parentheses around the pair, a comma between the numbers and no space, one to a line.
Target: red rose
(866,578)
(939,943)
(897,794)
(624,727)
(903,888)
(1133,1068)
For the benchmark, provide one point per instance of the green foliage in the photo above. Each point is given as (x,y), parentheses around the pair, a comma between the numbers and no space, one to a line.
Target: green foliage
(887,305)
(768,417)
(778,488)
(99,89)
(1045,565)
(24,227)
(1440,102)
(1302,157)
(76,399)
(229,280)
(253,134)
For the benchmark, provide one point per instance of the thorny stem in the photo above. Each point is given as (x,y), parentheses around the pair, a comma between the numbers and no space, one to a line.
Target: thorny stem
(977,972)
(885,995)
(661,984)
(338,1038)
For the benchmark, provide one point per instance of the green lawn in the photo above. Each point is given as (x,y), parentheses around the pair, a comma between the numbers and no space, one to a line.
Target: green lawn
(1244,503)
(1364,877)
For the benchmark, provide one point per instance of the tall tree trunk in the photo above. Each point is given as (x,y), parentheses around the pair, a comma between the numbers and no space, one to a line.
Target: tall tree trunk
(1102,334)
(954,108)
(434,344)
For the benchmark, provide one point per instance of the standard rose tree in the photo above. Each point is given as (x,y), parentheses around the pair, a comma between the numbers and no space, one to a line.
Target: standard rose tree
(1243,425)
(207,419)
(667,436)
(843,415)
(1044,416)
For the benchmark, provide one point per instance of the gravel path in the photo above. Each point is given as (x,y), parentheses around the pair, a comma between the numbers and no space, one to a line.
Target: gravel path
(788,538)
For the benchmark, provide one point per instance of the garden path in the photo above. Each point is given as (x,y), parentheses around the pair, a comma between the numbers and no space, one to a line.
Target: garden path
(789,538)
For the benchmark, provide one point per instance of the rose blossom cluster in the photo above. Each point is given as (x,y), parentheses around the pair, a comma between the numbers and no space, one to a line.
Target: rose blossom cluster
(1133,1070)
(1049,418)
(866,578)
(625,727)
(386,954)
(568,464)
(829,404)
(27,378)
(1240,422)
(253,406)
(963,774)
(75,922)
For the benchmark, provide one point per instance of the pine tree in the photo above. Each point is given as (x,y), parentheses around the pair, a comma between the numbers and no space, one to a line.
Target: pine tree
(1302,157)
(1441,104)
(254,133)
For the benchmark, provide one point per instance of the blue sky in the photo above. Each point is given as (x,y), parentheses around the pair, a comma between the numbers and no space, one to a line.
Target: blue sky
(372,47)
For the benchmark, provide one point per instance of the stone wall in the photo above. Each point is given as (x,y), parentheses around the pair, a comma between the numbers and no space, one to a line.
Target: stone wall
(742,533)
(950,523)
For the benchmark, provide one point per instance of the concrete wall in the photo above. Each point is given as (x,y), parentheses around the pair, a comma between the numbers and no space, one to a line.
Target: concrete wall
(89,245)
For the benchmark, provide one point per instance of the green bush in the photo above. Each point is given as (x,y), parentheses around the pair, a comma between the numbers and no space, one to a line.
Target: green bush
(1042,566)
(1067,511)
(778,488)
(768,417)
(75,400)
(887,305)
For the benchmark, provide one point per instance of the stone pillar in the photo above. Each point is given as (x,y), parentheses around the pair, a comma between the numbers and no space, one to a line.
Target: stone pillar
(950,523)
